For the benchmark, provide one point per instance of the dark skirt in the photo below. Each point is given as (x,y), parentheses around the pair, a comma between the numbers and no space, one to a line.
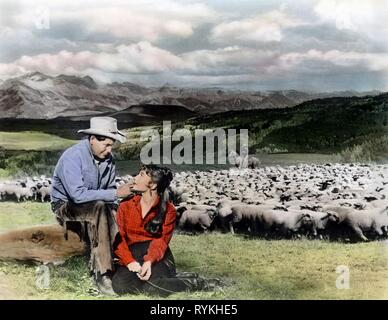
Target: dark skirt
(163,280)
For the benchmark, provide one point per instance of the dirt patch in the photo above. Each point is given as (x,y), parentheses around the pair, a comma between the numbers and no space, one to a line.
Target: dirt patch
(6,292)
(40,243)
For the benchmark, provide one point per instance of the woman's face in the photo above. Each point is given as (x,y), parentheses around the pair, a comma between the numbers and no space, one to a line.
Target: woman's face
(143,182)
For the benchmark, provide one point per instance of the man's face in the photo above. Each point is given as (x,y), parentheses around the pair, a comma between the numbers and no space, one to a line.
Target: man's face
(101,149)
(143,182)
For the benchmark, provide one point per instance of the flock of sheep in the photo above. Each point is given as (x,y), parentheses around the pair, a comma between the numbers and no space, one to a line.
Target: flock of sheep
(335,201)
(35,188)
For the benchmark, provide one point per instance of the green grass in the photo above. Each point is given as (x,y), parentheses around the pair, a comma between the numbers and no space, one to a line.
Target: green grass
(252,268)
(29,140)
(18,215)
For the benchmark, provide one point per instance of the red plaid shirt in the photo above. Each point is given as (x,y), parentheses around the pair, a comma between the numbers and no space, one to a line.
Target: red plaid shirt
(131,227)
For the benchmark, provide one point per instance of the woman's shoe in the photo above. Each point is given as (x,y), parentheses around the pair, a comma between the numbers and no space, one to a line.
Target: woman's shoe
(185,274)
(199,283)
(212,284)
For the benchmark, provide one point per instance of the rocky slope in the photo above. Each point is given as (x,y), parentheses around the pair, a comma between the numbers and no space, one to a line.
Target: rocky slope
(39,96)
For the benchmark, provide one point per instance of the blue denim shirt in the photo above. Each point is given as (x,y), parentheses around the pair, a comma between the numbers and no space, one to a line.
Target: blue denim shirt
(77,177)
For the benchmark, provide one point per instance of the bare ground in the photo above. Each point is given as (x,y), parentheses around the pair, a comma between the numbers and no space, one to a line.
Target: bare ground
(44,243)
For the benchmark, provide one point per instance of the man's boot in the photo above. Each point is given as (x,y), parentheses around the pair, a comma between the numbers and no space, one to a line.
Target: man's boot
(104,285)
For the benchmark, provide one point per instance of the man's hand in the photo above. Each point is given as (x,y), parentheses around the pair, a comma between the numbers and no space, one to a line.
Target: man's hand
(124,190)
(145,271)
(134,266)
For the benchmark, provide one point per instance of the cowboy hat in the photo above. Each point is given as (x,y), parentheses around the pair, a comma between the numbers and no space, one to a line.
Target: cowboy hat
(106,127)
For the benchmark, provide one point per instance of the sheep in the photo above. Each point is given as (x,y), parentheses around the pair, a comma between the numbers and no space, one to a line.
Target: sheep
(288,222)
(242,162)
(340,212)
(372,220)
(18,191)
(246,215)
(225,214)
(250,162)
(194,219)
(26,193)
(321,221)
(183,206)
(203,207)
(184,197)
(281,191)
(44,192)
(2,190)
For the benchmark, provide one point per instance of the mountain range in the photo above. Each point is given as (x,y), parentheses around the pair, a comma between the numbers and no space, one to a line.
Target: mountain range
(39,96)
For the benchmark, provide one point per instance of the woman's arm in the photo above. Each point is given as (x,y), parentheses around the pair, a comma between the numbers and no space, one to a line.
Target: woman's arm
(158,247)
(122,251)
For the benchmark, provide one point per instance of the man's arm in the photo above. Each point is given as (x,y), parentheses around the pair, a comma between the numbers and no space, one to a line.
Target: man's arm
(112,176)
(71,178)
(112,184)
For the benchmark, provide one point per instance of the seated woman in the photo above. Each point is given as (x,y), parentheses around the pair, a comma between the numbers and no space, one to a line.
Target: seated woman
(146,223)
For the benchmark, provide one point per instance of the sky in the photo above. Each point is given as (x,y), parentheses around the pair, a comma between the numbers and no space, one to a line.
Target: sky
(308,45)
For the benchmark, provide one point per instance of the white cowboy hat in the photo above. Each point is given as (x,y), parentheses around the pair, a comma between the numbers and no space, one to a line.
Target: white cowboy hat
(106,127)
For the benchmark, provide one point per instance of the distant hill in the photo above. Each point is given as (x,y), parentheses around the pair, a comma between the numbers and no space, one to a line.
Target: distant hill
(39,96)
(354,127)
(144,115)
(322,125)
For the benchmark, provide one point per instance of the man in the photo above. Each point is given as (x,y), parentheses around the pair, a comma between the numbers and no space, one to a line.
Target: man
(84,195)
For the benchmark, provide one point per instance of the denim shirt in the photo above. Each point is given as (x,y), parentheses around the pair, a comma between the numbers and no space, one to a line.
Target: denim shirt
(79,179)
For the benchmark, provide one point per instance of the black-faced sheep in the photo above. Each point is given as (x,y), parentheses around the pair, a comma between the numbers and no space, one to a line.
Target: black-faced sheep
(44,192)
(17,191)
(321,222)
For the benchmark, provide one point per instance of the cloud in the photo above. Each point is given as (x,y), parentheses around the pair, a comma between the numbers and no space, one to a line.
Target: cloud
(265,27)
(368,18)
(138,58)
(144,61)
(197,42)
(129,20)
(17,42)
(231,60)
(332,62)
(142,57)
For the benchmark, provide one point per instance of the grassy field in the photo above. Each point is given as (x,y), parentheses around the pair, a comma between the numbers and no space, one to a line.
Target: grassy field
(252,268)
(29,140)
(18,215)
(45,149)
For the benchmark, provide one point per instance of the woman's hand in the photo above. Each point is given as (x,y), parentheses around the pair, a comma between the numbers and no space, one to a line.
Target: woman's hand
(134,266)
(145,271)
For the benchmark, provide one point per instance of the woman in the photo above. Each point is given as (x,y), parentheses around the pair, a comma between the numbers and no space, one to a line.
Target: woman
(146,223)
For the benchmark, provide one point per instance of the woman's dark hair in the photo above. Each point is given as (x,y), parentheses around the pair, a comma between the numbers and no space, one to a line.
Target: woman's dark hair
(162,176)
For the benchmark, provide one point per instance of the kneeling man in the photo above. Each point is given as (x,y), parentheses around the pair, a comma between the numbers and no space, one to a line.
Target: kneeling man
(84,195)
